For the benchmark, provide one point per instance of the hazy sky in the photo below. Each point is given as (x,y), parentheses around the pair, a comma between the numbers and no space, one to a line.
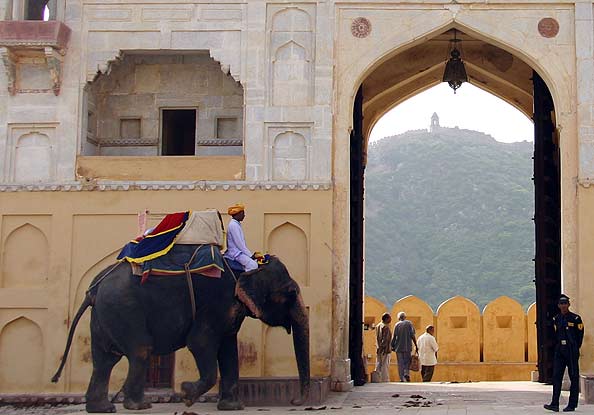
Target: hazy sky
(470,108)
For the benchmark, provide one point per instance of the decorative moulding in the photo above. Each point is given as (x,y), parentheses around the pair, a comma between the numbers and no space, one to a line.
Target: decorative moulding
(220,142)
(48,39)
(115,56)
(195,185)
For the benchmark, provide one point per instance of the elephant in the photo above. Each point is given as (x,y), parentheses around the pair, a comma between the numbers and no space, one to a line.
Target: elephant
(136,320)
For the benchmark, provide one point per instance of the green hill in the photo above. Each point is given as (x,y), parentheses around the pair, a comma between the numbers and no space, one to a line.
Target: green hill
(449,213)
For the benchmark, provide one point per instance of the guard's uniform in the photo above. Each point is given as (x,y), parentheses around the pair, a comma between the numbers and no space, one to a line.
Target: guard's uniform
(569,333)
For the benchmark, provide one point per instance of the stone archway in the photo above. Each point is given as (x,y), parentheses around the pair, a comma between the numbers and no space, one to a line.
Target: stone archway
(501,56)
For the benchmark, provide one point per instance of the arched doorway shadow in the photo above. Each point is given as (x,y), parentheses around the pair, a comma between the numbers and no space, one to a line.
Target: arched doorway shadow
(507,76)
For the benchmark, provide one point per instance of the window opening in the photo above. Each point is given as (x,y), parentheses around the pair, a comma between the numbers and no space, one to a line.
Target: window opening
(37,10)
(178,132)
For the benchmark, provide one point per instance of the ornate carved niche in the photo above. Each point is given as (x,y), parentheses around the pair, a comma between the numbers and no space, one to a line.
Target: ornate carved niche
(289,152)
(27,45)
(291,54)
(30,155)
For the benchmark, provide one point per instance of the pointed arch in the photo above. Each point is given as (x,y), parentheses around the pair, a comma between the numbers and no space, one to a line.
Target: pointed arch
(289,157)
(291,19)
(21,356)
(291,69)
(25,260)
(510,41)
(290,243)
(33,158)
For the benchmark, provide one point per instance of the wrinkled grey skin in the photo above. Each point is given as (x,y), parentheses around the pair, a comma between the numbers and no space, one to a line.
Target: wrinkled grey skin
(136,320)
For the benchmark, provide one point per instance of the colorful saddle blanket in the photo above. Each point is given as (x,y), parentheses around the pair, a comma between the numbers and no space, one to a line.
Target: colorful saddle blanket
(158,242)
(207,261)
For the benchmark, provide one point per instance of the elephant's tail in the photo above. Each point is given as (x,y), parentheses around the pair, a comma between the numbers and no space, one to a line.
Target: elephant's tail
(81,310)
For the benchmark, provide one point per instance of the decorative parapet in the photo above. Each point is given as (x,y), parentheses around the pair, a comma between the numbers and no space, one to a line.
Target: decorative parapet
(101,63)
(220,142)
(48,39)
(169,185)
(34,34)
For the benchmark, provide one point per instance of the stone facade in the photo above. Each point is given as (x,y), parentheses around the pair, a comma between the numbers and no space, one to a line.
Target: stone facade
(81,129)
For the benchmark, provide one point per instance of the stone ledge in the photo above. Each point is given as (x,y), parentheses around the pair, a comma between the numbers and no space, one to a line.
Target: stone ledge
(252,391)
(34,34)
(105,186)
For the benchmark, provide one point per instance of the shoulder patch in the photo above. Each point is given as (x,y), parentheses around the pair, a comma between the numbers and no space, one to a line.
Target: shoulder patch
(580,326)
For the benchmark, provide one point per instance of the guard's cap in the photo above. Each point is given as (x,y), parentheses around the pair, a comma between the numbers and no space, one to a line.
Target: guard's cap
(563,299)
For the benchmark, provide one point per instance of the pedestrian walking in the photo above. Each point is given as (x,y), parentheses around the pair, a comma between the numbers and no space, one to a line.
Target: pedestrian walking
(428,353)
(383,336)
(402,341)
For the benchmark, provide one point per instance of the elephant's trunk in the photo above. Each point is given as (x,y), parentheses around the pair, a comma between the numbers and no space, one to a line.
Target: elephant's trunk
(300,325)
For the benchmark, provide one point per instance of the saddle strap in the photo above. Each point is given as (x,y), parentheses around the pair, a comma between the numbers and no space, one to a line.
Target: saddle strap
(190,283)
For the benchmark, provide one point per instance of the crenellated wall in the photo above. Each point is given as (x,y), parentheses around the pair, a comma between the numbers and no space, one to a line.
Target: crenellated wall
(499,344)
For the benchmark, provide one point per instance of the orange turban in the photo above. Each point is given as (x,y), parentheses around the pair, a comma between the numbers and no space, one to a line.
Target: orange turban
(235,209)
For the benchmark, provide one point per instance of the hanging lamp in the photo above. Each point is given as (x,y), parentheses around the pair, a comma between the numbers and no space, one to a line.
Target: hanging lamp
(455,72)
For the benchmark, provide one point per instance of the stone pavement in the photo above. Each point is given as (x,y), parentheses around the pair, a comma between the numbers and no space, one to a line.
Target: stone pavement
(489,398)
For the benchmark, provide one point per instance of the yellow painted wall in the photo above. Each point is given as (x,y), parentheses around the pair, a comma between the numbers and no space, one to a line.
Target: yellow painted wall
(53,243)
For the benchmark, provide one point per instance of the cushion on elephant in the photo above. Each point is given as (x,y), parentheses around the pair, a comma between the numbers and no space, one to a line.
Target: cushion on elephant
(202,227)
(208,261)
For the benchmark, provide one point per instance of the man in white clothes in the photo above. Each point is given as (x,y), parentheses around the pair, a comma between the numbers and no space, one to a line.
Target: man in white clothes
(236,247)
(427,353)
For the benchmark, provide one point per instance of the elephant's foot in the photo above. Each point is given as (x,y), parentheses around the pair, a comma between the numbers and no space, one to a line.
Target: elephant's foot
(189,392)
(137,406)
(227,405)
(100,407)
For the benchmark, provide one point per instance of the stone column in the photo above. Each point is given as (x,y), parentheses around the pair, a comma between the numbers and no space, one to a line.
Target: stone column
(341,365)
(577,286)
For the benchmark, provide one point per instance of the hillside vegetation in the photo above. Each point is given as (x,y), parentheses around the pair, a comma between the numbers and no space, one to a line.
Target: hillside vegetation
(449,213)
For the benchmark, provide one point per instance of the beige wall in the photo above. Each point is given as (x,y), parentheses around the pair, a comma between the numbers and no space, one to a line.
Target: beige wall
(54,243)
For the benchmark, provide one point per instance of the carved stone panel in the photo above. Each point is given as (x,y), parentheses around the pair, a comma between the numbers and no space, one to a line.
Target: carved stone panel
(31,153)
(289,152)
(291,48)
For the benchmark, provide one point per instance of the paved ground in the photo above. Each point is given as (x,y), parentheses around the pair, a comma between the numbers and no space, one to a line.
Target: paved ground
(489,398)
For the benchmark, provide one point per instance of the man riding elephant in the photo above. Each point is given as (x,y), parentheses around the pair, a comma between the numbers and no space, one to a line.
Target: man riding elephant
(237,249)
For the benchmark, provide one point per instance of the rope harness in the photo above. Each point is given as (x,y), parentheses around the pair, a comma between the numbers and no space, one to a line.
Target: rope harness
(190,283)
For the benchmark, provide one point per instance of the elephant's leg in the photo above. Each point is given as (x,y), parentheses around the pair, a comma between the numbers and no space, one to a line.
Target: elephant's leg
(204,346)
(229,369)
(103,363)
(134,386)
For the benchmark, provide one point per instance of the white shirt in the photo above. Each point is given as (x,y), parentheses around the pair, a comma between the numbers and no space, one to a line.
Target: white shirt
(236,241)
(427,349)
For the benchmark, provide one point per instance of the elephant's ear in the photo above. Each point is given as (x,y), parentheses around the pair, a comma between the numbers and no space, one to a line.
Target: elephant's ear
(246,291)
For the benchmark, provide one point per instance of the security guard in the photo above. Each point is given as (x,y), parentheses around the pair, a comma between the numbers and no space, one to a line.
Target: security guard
(569,333)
